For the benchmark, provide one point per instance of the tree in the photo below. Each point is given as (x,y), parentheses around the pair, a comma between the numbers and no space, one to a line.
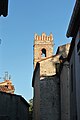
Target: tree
(30,109)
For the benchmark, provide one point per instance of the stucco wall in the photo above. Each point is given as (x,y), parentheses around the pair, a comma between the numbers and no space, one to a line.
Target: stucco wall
(12,107)
(77,70)
(23,110)
(73,106)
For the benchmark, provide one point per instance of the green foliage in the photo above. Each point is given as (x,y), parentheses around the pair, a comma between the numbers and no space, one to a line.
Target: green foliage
(31,105)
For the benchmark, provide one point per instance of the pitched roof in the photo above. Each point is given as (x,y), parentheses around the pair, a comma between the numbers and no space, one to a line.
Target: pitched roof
(16,96)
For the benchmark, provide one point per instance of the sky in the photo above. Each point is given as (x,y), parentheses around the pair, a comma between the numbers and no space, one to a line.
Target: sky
(25,18)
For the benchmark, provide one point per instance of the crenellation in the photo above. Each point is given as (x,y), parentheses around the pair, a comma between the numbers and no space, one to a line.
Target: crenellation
(51,37)
(43,37)
(35,35)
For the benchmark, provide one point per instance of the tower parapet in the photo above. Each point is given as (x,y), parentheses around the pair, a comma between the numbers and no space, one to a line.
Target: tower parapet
(43,37)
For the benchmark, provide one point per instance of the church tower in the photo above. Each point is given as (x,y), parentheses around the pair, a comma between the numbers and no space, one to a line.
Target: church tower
(43,47)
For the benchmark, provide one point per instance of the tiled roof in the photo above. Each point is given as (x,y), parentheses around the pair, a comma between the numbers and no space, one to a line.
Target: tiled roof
(7,86)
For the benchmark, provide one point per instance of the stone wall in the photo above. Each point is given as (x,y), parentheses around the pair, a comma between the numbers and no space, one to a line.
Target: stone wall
(13,107)
(40,43)
(49,98)
(48,66)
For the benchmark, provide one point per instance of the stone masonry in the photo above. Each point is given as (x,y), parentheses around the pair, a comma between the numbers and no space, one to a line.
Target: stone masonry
(46,84)
(43,45)
(49,98)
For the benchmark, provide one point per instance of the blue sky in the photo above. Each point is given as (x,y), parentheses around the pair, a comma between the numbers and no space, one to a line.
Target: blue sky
(26,17)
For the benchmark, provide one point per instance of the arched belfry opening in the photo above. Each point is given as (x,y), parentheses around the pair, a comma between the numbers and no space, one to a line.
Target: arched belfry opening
(43,53)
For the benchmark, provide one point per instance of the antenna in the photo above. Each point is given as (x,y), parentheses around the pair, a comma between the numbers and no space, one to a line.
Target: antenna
(6,76)
(9,77)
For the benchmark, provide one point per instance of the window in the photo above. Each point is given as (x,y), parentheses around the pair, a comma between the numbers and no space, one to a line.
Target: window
(43,54)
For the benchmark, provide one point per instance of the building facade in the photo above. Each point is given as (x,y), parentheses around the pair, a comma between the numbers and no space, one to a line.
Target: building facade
(6,85)
(13,107)
(46,83)
(74,59)
(36,92)
(64,73)
(46,100)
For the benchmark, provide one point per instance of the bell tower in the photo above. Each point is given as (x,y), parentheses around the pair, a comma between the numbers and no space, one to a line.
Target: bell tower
(43,47)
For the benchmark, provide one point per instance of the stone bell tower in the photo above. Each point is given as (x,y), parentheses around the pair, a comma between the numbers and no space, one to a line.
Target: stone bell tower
(43,47)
